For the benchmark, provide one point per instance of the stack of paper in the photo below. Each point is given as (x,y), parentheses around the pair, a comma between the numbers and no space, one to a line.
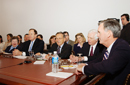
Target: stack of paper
(60,74)
(39,62)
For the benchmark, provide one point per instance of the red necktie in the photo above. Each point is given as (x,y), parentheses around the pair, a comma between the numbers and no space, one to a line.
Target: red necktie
(91,53)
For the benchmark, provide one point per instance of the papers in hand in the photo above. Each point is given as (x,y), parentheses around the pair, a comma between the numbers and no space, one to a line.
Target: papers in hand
(39,62)
(60,74)
(20,57)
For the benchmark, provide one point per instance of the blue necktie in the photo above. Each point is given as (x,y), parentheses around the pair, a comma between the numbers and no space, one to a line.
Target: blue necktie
(30,48)
(58,50)
(106,55)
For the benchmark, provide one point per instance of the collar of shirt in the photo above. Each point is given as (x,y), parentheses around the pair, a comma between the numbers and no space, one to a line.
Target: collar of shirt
(67,42)
(79,45)
(94,46)
(13,47)
(109,48)
(33,41)
(61,47)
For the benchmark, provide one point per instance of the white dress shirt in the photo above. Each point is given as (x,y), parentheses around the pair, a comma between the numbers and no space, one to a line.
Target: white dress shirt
(61,47)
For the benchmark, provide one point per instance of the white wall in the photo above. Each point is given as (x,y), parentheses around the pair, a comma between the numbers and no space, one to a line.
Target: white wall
(51,16)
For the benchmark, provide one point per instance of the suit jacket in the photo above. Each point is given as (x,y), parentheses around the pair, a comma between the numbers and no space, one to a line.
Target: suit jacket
(85,51)
(10,51)
(71,43)
(65,51)
(37,46)
(116,67)
(97,52)
(77,49)
(125,33)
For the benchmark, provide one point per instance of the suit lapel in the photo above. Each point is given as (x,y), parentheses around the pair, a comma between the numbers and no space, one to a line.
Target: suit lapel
(88,49)
(96,49)
(115,43)
(63,47)
(34,44)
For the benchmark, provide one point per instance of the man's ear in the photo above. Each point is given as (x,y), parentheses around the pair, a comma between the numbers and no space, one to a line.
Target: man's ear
(109,33)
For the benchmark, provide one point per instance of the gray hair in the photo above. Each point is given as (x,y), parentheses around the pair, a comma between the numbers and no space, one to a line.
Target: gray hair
(112,25)
(94,31)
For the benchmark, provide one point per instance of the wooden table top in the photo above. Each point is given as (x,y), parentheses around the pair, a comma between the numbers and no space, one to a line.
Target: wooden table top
(7,62)
(31,73)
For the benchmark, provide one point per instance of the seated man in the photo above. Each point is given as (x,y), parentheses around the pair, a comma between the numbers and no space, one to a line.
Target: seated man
(33,44)
(14,45)
(67,39)
(63,49)
(115,58)
(91,50)
(26,37)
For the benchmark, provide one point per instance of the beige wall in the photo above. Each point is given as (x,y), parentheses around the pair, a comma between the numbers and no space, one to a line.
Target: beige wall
(50,16)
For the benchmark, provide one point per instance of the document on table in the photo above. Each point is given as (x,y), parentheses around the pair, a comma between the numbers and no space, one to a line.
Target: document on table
(39,62)
(60,74)
(20,57)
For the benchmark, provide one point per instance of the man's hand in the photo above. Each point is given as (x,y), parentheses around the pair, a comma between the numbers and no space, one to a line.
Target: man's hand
(16,52)
(47,56)
(73,58)
(38,54)
(79,68)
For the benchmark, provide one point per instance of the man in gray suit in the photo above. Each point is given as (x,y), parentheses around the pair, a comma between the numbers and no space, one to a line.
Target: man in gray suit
(68,41)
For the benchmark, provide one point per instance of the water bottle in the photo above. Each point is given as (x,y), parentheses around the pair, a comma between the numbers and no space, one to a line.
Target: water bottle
(55,62)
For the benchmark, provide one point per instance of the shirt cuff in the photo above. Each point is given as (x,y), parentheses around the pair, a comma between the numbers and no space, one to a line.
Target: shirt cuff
(83,68)
(85,58)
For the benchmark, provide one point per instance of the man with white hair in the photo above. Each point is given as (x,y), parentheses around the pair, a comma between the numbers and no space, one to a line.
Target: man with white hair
(91,49)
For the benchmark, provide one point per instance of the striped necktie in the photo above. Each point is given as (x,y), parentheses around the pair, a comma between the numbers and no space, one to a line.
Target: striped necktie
(58,50)
(106,55)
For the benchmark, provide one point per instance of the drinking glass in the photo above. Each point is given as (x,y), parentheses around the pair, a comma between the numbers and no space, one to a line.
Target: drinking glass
(31,53)
(50,57)
(79,58)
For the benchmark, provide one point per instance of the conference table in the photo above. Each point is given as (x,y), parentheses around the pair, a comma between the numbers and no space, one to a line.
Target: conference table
(15,72)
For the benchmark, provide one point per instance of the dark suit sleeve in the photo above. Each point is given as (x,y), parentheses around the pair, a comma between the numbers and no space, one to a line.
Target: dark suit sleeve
(39,47)
(7,49)
(91,58)
(117,60)
(66,52)
(53,48)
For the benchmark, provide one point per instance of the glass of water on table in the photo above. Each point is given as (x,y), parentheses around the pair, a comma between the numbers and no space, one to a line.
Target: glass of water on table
(79,58)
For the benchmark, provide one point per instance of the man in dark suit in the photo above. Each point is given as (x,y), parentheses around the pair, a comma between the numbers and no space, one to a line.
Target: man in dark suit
(115,58)
(91,49)
(125,32)
(33,44)
(63,49)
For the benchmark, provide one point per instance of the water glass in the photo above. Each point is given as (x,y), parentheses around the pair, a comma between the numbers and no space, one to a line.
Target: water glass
(79,58)
(31,53)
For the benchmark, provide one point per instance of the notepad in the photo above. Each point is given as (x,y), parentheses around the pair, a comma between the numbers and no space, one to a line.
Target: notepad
(39,62)
(59,74)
